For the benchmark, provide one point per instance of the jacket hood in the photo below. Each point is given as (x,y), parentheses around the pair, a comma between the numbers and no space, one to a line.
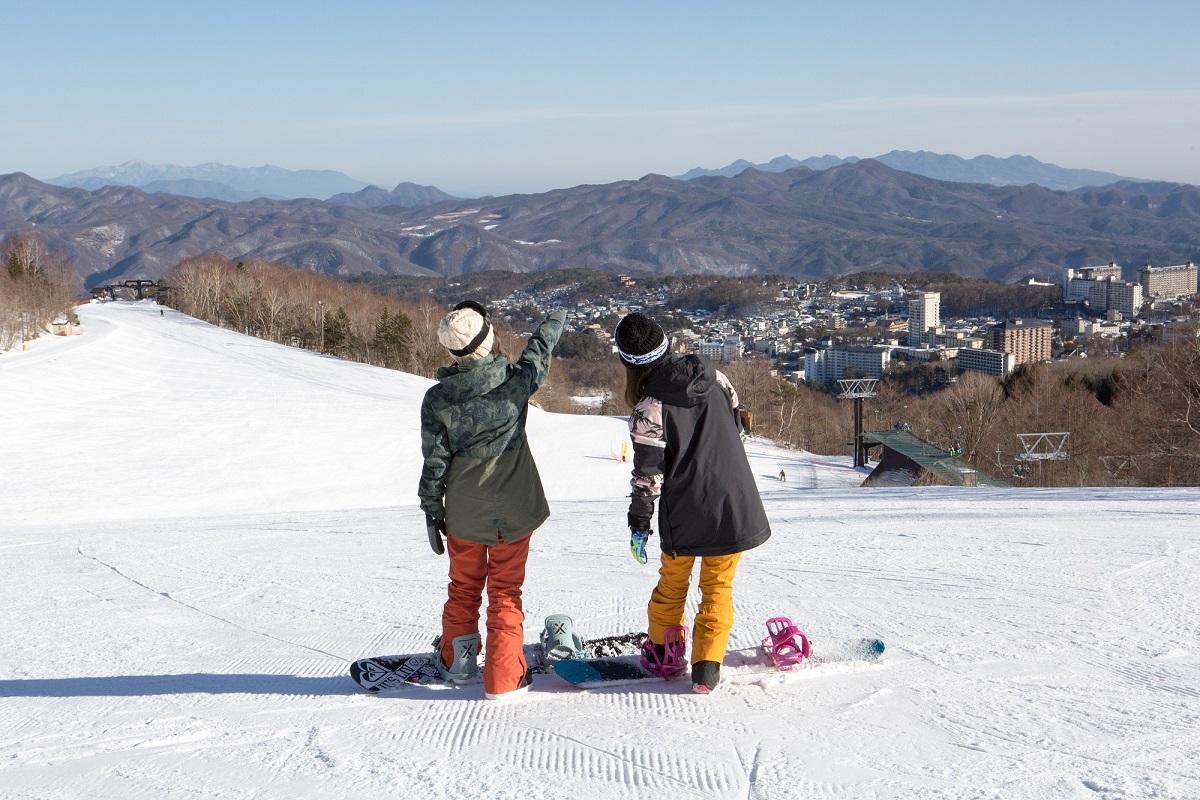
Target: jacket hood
(474,378)
(681,380)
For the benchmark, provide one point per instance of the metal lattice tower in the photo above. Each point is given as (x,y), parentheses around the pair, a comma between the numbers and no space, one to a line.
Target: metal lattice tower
(1044,446)
(858,389)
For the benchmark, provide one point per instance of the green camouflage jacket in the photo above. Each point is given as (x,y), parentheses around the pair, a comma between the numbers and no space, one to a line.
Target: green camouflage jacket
(479,474)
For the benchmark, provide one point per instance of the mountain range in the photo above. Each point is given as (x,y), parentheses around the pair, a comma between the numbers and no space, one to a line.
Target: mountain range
(1010,171)
(216,181)
(405,195)
(803,222)
(241,184)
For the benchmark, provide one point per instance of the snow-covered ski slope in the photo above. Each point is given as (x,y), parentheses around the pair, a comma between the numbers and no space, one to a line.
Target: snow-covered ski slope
(198,530)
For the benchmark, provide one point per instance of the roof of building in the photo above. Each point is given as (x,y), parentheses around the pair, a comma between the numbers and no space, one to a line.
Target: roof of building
(931,458)
(1025,323)
(1152,268)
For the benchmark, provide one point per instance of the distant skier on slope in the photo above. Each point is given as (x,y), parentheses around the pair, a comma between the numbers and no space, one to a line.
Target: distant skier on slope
(481,489)
(686,446)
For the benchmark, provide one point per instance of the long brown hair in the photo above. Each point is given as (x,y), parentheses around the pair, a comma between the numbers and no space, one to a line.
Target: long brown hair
(635,382)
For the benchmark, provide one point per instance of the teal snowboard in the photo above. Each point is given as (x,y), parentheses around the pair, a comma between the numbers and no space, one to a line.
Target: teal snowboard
(598,672)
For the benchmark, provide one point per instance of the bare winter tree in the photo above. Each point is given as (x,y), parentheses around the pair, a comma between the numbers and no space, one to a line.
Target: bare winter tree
(971,407)
(35,287)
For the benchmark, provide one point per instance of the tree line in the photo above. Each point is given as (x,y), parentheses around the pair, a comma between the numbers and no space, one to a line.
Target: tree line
(308,310)
(311,311)
(35,288)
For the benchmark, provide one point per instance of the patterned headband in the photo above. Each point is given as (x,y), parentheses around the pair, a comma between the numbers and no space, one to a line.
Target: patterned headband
(646,358)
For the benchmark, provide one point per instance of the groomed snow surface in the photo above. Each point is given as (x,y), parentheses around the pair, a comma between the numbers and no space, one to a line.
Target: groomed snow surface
(198,531)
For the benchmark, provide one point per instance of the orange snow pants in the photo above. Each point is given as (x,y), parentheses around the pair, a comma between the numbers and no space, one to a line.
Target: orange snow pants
(501,567)
(714,617)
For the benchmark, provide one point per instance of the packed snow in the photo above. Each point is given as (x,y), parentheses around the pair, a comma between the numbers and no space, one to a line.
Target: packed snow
(199,530)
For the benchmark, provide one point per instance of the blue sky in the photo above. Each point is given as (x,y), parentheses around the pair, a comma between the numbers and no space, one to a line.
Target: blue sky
(498,97)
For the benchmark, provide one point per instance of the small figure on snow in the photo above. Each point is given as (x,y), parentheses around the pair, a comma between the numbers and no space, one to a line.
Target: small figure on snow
(480,489)
(686,447)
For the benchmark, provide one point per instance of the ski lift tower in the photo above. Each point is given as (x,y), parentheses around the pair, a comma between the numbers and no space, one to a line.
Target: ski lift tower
(858,389)
(1043,447)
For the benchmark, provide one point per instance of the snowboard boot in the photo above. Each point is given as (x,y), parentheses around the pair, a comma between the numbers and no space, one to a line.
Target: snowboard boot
(522,688)
(466,658)
(705,676)
(559,639)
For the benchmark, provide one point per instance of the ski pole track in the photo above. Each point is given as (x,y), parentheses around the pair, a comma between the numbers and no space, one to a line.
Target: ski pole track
(167,596)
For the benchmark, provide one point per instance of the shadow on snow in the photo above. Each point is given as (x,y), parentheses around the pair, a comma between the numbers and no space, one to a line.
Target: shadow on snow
(193,683)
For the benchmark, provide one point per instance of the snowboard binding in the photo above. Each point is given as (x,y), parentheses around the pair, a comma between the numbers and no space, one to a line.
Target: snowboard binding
(465,665)
(559,640)
(666,660)
(785,645)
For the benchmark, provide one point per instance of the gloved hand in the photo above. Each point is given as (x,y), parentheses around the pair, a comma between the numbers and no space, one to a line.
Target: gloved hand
(637,544)
(436,528)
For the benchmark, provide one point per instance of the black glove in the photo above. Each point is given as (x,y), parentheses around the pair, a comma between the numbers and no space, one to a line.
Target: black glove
(637,523)
(436,528)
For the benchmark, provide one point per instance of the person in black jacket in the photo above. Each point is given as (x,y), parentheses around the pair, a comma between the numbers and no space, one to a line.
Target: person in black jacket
(687,449)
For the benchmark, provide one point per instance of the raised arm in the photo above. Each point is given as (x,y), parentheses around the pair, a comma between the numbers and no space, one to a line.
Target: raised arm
(535,359)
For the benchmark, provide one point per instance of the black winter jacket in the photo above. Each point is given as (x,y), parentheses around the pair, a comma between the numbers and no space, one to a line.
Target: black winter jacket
(687,448)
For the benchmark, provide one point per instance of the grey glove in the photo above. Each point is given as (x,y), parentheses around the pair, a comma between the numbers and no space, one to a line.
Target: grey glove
(436,528)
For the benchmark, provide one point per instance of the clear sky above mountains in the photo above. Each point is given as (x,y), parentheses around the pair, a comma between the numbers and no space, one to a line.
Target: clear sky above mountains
(491,97)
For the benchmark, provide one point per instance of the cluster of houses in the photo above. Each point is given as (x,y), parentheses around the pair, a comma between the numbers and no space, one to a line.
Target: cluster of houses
(816,334)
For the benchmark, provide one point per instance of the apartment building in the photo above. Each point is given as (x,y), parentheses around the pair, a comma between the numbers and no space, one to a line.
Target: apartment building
(1116,295)
(1180,280)
(991,362)
(924,315)
(833,363)
(1077,283)
(1103,289)
(1027,340)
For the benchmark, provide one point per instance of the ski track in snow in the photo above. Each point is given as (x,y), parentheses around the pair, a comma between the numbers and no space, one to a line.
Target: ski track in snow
(206,527)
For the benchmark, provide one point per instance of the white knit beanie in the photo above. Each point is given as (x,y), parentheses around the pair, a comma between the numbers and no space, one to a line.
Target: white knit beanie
(459,328)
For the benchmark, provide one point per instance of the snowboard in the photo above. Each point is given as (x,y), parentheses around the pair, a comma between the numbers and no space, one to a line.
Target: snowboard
(384,673)
(594,672)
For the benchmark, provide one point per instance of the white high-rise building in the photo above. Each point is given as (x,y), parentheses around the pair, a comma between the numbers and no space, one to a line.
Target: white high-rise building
(1103,289)
(833,363)
(924,315)
(991,362)
(1180,280)
(1077,283)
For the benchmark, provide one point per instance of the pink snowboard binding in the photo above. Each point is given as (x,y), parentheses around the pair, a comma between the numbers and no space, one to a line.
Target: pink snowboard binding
(786,645)
(674,648)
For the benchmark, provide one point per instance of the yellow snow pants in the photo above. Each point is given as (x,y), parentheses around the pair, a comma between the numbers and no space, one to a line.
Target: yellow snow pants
(714,617)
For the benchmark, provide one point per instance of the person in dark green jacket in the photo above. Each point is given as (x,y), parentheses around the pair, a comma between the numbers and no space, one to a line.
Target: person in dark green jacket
(480,489)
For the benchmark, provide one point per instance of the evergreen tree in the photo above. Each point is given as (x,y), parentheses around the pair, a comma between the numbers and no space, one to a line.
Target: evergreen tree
(337,331)
(393,338)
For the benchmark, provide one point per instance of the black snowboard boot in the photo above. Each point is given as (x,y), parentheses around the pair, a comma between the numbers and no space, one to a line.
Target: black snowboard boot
(705,676)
